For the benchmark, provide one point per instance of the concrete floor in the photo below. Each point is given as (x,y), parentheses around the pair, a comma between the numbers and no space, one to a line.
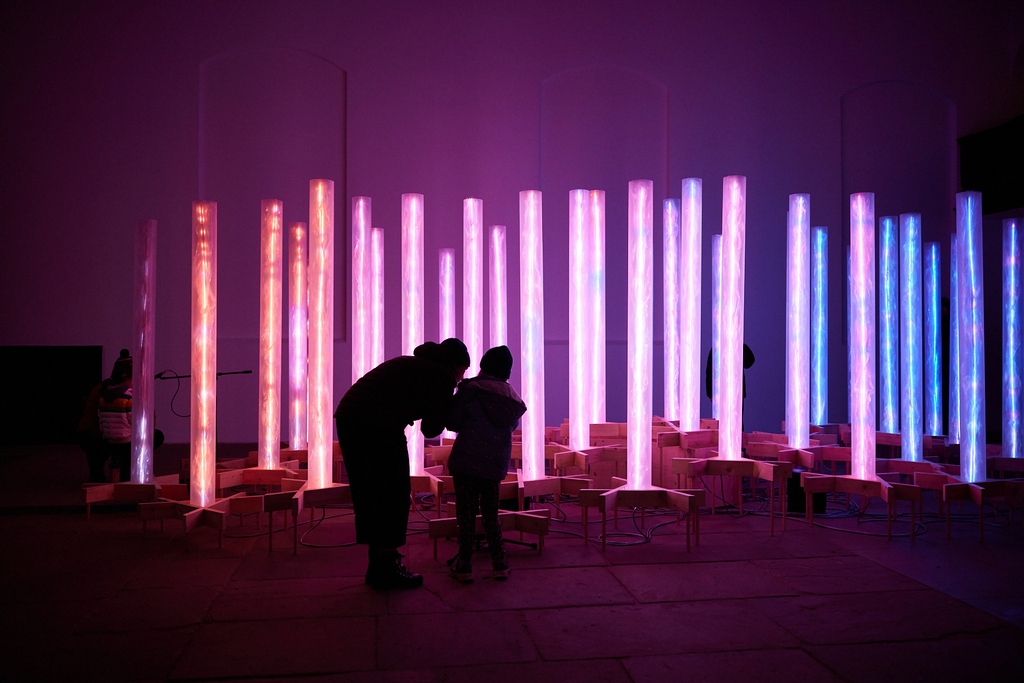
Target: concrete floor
(102,600)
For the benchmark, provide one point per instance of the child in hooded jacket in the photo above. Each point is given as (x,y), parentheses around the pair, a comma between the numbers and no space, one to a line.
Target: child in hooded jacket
(485,413)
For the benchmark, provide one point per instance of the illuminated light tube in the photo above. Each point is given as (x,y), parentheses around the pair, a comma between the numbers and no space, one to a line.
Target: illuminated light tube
(412,304)
(497,274)
(298,317)
(321,333)
(670,254)
(579,316)
(953,436)
(819,325)
(271,257)
(972,336)
(361,302)
(849,333)
(888,336)
(376,297)
(1011,340)
(911,340)
(716,323)
(596,229)
(446,301)
(798,321)
(730,409)
(531,311)
(203,420)
(473,281)
(640,343)
(932,340)
(691,239)
(862,310)
(144,350)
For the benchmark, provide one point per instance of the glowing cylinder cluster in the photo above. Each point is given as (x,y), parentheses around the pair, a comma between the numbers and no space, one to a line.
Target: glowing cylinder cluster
(298,316)
(1011,340)
(321,333)
(361,302)
(203,418)
(376,297)
(932,333)
(473,281)
(671,272)
(691,238)
(716,323)
(862,342)
(972,336)
(911,359)
(953,435)
(271,259)
(798,321)
(412,304)
(531,311)
(888,334)
(640,341)
(819,325)
(734,226)
(497,281)
(143,352)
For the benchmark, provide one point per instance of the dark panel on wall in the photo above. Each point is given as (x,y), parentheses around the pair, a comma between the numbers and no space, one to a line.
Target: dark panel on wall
(990,163)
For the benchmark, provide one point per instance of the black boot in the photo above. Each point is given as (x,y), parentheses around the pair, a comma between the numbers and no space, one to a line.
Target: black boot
(386,571)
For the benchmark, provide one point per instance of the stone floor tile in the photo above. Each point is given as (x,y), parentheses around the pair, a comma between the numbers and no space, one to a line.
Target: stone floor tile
(763,666)
(837,574)
(705,581)
(426,641)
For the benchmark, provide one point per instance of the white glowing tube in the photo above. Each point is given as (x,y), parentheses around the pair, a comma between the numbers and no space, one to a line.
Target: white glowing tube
(376,297)
(271,257)
(579,315)
(640,343)
(446,293)
(143,350)
(596,221)
(888,335)
(954,345)
(862,310)
(321,333)
(730,408)
(972,336)
(498,287)
(531,311)
(849,333)
(798,321)
(716,323)
(1011,340)
(932,341)
(412,305)
(204,353)
(298,315)
(670,253)
(689,312)
(911,360)
(819,326)
(473,281)
(361,303)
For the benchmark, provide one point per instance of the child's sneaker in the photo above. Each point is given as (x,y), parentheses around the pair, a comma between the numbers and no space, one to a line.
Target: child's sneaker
(501,570)
(461,571)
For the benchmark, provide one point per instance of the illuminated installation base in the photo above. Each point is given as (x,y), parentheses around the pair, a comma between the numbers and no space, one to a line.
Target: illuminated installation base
(376,297)
(671,272)
(1011,340)
(730,409)
(361,302)
(888,337)
(716,324)
(271,257)
(932,340)
(531,310)
(498,287)
(798,321)
(819,326)
(862,347)
(640,331)
(144,350)
(691,238)
(298,317)
(412,304)
(204,353)
(911,385)
(953,435)
(321,333)
(473,281)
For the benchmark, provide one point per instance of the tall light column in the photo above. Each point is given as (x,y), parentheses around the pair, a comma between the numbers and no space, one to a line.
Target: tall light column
(144,350)
(819,326)
(497,274)
(596,229)
(298,317)
(446,293)
(972,336)
(412,304)
(361,303)
(734,226)
(716,324)
(670,254)
(473,281)
(691,241)
(798,321)
(579,317)
(1011,340)
(862,343)
(376,297)
(888,321)
(911,361)
(203,418)
(271,257)
(321,333)
(531,311)
(932,340)
(953,435)
(640,342)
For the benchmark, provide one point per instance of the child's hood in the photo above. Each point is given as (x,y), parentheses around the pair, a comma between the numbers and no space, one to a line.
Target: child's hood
(500,402)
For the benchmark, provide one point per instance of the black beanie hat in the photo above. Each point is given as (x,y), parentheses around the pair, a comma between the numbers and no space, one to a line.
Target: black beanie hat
(497,362)
(456,351)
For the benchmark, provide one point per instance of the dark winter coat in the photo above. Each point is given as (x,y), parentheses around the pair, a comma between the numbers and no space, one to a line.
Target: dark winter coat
(485,414)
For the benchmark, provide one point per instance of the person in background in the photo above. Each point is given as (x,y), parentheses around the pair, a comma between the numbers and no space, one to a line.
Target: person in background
(115,417)
(709,380)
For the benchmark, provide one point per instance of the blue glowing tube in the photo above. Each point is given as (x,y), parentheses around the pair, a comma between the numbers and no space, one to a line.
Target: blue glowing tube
(912,422)
(932,341)
(1011,340)
(971,319)
(819,326)
(888,335)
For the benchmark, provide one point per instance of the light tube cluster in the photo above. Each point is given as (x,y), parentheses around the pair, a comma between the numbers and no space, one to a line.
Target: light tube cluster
(730,409)
(321,333)
(203,418)
(716,324)
(819,325)
(798,321)
(497,280)
(972,336)
(862,311)
(531,311)
(298,316)
(271,258)
(932,340)
(640,342)
(473,281)
(376,297)
(691,242)
(888,336)
(911,360)
(1011,340)
(361,341)
(412,304)
(144,352)
(953,436)
(671,272)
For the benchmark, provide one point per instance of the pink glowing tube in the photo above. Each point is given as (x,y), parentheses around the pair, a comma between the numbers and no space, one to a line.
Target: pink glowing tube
(361,303)
(972,336)
(376,297)
(932,341)
(531,311)
(716,324)
(473,281)
(640,343)
(204,353)
(819,326)
(1011,340)
(730,409)
(271,256)
(580,382)
(954,344)
(498,287)
(670,297)
(446,293)
(321,333)
(888,336)
(298,316)
(412,304)
(862,345)
(690,239)
(596,232)
(798,321)
(143,330)
(911,359)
